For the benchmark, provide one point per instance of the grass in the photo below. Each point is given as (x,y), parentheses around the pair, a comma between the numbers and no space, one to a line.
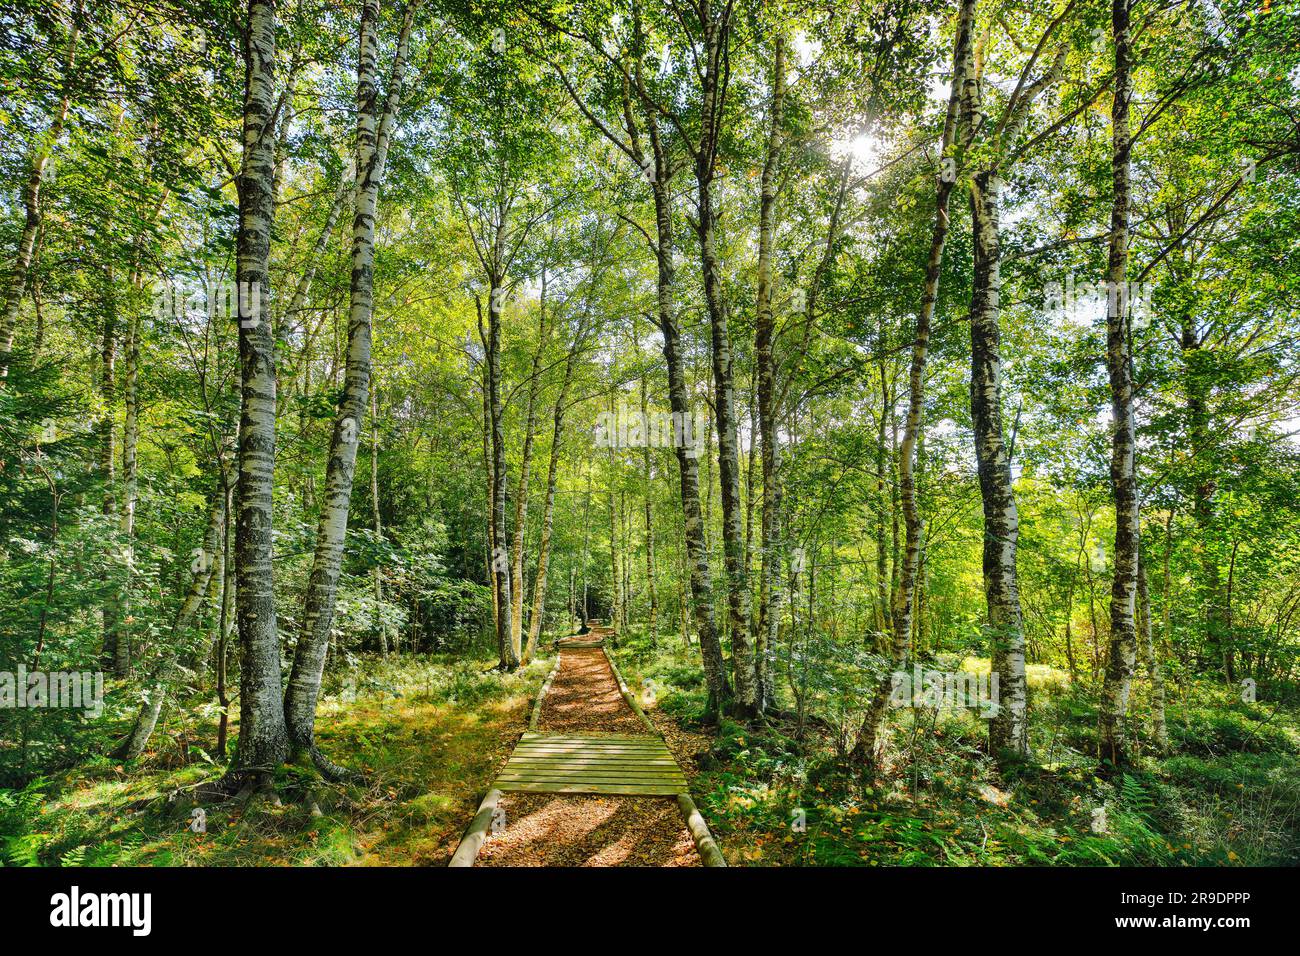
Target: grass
(429,733)
(1228,793)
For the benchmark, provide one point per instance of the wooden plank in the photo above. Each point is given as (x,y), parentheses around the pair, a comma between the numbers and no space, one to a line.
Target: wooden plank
(633,755)
(570,780)
(596,743)
(617,789)
(613,774)
(592,755)
(593,761)
(566,762)
(592,745)
(619,764)
(518,769)
(577,751)
(559,766)
(585,738)
(590,748)
(580,755)
(592,778)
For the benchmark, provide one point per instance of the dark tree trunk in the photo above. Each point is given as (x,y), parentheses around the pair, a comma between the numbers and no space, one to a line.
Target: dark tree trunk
(1123,478)
(263,738)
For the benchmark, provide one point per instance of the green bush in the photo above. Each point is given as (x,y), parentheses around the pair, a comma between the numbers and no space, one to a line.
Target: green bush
(1212,733)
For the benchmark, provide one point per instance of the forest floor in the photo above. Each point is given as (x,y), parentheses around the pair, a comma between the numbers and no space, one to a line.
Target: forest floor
(432,732)
(1227,792)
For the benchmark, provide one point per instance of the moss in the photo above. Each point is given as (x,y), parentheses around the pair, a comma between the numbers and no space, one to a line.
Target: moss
(430,735)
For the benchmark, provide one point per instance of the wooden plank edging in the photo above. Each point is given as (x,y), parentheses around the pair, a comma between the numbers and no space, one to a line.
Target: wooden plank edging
(477,832)
(710,853)
(627,695)
(535,719)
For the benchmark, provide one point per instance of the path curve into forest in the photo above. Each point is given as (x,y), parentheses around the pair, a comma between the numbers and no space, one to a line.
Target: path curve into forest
(591,783)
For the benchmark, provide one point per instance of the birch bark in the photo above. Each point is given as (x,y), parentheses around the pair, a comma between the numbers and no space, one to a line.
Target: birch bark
(1122,656)
(263,739)
(769,591)
(373,135)
(905,598)
(716,42)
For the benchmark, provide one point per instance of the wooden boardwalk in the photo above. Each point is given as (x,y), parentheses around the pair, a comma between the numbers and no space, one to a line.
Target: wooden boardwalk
(570,763)
(640,765)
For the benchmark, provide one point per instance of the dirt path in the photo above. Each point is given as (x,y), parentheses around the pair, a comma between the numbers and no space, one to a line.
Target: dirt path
(545,829)
(584,698)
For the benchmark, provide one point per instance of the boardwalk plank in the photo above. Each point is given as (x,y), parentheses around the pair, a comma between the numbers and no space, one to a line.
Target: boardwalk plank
(575,763)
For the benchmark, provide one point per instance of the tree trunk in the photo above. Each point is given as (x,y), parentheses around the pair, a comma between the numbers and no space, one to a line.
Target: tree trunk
(107,426)
(202,575)
(381,628)
(615,574)
(1123,478)
(488,474)
(586,552)
(769,591)
(227,621)
(742,651)
(521,496)
(687,451)
(652,594)
(373,135)
(130,489)
(1008,731)
(508,650)
(882,551)
(1159,728)
(548,510)
(905,600)
(263,739)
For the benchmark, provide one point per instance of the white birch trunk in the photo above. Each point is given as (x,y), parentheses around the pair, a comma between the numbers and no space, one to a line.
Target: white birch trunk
(1008,731)
(263,741)
(372,142)
(1122,655)
(905,598)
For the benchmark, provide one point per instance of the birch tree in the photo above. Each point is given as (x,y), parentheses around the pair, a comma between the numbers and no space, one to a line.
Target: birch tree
(769,608)
(955,140)
(1123,473)
(656,147)
(1008,730)
(375,126)
(263,738)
